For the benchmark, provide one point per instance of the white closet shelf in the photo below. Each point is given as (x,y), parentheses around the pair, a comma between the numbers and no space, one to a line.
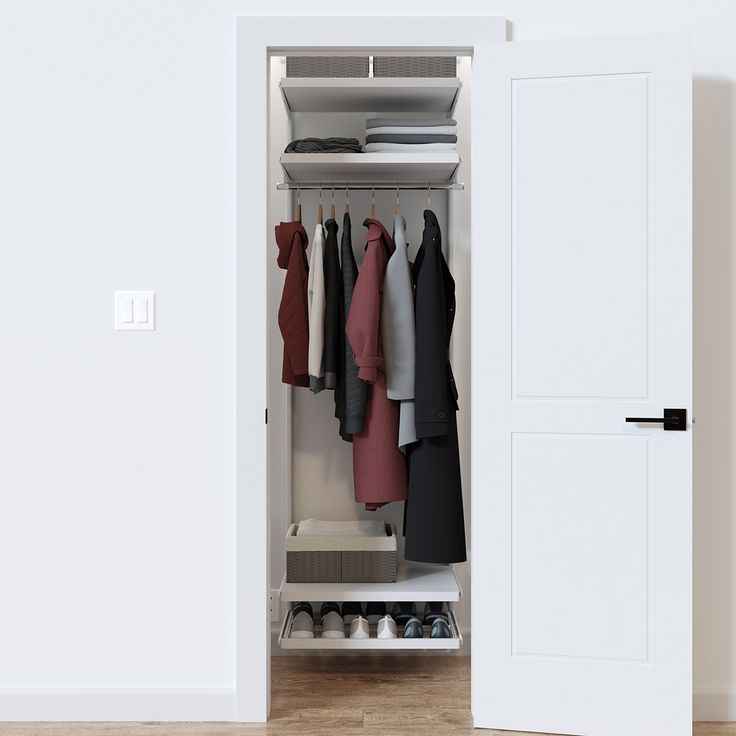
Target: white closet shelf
(374,94)
(413,583)
(438,167)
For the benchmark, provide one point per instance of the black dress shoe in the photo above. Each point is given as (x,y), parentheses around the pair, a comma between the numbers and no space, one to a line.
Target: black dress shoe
(375,611)
(403,611)
(440,629)
(351,609)
(433,611)
(413,629)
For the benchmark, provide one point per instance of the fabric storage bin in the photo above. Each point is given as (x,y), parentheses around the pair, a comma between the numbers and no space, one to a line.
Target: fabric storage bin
(326,66)
(341,559)
(414,66)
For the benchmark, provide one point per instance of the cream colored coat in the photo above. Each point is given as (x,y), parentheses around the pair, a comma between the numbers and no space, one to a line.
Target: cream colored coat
(316,306)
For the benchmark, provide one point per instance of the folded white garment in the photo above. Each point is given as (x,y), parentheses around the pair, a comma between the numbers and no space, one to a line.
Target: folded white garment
(409,147)
(415,122)
(317,528)
(430,130)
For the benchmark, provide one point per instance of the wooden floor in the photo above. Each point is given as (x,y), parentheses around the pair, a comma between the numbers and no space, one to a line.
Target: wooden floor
(340,696)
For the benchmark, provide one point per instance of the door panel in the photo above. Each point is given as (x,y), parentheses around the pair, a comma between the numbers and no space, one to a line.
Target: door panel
(581,541)
(590,585)
(581,307)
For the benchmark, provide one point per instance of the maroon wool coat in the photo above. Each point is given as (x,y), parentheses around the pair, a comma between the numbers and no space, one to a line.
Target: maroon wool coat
(291,239)
(379,467)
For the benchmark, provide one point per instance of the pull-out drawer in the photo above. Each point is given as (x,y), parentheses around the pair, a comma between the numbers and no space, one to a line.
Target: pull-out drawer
(286,642)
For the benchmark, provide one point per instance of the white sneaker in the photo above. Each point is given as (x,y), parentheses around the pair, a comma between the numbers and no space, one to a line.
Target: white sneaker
(333,626)
(302,625)
(386,628)
(359,628)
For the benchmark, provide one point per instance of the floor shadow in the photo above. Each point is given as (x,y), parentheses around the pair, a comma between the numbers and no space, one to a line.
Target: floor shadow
(713,401)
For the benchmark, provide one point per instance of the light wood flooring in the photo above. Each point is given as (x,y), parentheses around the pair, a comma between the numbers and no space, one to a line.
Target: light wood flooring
(340,696)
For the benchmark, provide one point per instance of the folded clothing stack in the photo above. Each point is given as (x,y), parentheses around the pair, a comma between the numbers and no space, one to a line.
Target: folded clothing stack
(410,134)
(324,145)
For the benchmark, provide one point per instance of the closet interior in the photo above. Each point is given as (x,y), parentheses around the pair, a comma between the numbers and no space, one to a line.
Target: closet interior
(310,467)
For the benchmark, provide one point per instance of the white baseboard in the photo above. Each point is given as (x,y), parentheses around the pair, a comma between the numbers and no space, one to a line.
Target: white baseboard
(97,704)
(714,705)
(102,704)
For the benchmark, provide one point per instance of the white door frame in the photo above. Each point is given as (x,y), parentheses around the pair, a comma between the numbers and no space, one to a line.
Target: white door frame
(257,39)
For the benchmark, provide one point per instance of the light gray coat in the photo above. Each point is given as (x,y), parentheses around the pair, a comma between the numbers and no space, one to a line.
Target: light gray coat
(397,333)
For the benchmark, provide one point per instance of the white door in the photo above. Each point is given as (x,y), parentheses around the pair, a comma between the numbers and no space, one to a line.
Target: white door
(581,536)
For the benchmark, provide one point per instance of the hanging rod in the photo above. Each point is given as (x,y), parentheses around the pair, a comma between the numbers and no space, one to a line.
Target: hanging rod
(363,186)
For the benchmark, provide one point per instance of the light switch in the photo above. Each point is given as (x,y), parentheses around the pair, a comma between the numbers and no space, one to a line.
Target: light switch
(135,310)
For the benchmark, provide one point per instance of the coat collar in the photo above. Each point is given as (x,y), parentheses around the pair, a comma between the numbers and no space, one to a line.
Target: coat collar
(376,231)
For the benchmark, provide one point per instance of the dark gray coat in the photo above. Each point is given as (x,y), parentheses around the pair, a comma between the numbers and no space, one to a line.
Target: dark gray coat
(333,351)
(351,393)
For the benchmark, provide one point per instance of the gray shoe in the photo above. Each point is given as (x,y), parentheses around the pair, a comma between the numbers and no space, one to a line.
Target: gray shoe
(432,611)
(413,629)
(403,611)
(440,629)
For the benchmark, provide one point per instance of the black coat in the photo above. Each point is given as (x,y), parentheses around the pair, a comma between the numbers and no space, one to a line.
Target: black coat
(351,392)
(434,526)
(333,284)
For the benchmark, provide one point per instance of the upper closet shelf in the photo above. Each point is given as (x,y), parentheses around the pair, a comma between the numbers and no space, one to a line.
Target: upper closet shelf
(370,94)
(413,583)
(370,167)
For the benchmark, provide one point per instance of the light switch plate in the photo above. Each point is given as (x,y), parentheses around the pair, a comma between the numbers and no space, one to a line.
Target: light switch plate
(135,310)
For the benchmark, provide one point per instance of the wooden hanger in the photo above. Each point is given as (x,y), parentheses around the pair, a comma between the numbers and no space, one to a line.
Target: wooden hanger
(319,208)
(373,202)
(298,205)
(398,206)
(332,206)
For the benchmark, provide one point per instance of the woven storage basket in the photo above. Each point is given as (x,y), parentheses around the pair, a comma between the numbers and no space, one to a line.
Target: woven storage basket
(414,66)
(341,559)
(326,66)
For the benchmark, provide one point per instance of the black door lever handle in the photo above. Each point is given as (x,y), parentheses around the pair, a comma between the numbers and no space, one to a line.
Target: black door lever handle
(673,419)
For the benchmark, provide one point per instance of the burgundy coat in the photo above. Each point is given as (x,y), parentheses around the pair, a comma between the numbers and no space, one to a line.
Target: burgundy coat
(379,467)
(292,241)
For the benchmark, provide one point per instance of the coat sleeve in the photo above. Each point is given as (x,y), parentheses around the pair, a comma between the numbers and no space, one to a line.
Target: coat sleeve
(432,410)
(362,325)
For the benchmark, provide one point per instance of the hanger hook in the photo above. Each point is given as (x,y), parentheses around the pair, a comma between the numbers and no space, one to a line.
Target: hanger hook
(429,197)
(320,192)
(397,192)
(373,193)
(347,194)
(298,195)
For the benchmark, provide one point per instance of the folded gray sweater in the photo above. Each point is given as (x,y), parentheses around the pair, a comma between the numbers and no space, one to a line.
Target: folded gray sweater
(324,145)
(411,138)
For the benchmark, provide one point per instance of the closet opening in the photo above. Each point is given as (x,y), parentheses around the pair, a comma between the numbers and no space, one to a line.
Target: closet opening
(368,136)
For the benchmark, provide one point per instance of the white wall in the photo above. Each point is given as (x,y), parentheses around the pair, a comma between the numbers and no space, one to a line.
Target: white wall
(116,468)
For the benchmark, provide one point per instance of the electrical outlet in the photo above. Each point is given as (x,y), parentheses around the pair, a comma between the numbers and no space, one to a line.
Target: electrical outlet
(274,606)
